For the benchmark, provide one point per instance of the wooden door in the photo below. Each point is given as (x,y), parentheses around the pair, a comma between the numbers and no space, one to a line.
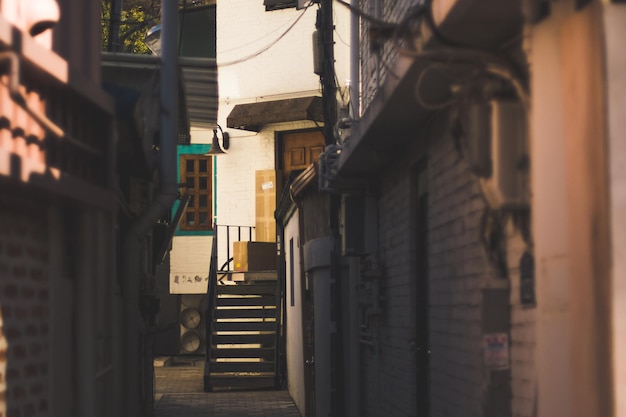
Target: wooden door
(299,150)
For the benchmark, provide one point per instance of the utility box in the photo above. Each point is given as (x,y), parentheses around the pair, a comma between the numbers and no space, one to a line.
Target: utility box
(254,256)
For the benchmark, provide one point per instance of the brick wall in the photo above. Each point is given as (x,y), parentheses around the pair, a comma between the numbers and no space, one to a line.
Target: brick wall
(397,387)
(190,259)
(459,273)
(24,307)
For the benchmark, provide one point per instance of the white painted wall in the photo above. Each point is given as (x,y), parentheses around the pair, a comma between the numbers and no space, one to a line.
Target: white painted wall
(284,70)
(190,259)
(295,360)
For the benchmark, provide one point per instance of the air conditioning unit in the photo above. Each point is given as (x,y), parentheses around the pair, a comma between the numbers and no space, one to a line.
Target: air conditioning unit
(507,187)
(192,323)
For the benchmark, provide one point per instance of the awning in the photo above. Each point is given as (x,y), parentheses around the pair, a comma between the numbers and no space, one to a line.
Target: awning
(254,116)
(198,78)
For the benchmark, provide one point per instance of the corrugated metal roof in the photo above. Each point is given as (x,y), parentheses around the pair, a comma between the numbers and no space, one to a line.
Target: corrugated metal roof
(200,82)
(199,77)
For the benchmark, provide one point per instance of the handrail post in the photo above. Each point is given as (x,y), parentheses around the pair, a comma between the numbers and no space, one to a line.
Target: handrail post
(227,244)
(211,302)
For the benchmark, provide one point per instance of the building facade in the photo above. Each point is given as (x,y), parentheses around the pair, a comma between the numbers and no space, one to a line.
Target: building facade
(60,348)
(479,191)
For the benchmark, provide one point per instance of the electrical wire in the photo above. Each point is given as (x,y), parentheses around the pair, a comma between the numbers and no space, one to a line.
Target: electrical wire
(422,102)
(270,45)
(411,25)
(341,39)
(265,35)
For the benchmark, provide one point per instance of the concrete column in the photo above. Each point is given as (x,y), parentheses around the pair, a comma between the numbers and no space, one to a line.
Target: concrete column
(549,217)
(615,33)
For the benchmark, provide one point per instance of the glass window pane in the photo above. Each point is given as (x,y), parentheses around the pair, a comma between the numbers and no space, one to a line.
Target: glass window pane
(191,219)
(192,201)
(190,165)
(191,182)
(203,200)
(203,183)
(202,165)
(204,218)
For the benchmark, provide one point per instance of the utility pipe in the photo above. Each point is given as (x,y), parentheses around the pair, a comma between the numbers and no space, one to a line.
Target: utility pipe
(163,201)
(355,73)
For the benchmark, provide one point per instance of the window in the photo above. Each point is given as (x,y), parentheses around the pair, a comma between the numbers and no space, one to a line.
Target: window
(278,4)
(195,173)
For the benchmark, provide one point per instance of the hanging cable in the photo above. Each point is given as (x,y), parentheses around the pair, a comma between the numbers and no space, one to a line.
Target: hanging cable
(270,45)
(405,31)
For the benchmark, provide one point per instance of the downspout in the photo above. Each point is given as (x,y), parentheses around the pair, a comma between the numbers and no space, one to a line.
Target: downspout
(352,351)
(163,201)
(355,73)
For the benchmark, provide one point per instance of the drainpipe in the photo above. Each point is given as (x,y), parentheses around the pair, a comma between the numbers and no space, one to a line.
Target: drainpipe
(353,348)
(163,201)
(355,77)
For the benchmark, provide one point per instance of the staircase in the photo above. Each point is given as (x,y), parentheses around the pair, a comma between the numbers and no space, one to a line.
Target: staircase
(242,341)
(242,328)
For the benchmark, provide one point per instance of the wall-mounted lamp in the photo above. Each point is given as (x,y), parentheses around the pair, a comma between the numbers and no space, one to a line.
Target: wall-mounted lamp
(218,148)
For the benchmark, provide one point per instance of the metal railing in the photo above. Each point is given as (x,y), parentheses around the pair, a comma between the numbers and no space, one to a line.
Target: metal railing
(213,282)
(210,309)
(230,232)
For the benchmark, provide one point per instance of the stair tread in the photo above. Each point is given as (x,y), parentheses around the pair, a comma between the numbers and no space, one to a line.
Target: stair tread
(225,326)
(267,366)
(252,289)
(243,339)
(266,353)
(247,300)
(237,313)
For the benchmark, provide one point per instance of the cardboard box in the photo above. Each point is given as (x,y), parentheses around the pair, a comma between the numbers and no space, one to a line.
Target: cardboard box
(267,188)
(254,256)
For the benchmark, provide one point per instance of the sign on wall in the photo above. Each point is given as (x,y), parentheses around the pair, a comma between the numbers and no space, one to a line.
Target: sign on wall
(496,351)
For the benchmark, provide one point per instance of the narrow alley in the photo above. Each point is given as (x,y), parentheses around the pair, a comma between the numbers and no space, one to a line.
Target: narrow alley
(178,393)
(312,208)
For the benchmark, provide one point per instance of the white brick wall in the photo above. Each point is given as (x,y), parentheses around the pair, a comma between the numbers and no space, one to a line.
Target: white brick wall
(283,71)
(245,28)
(190,259)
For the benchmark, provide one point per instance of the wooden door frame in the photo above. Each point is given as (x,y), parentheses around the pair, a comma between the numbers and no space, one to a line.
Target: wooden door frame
(279,143)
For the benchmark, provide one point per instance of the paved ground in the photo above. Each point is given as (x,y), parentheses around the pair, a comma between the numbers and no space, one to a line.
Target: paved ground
(179,394)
